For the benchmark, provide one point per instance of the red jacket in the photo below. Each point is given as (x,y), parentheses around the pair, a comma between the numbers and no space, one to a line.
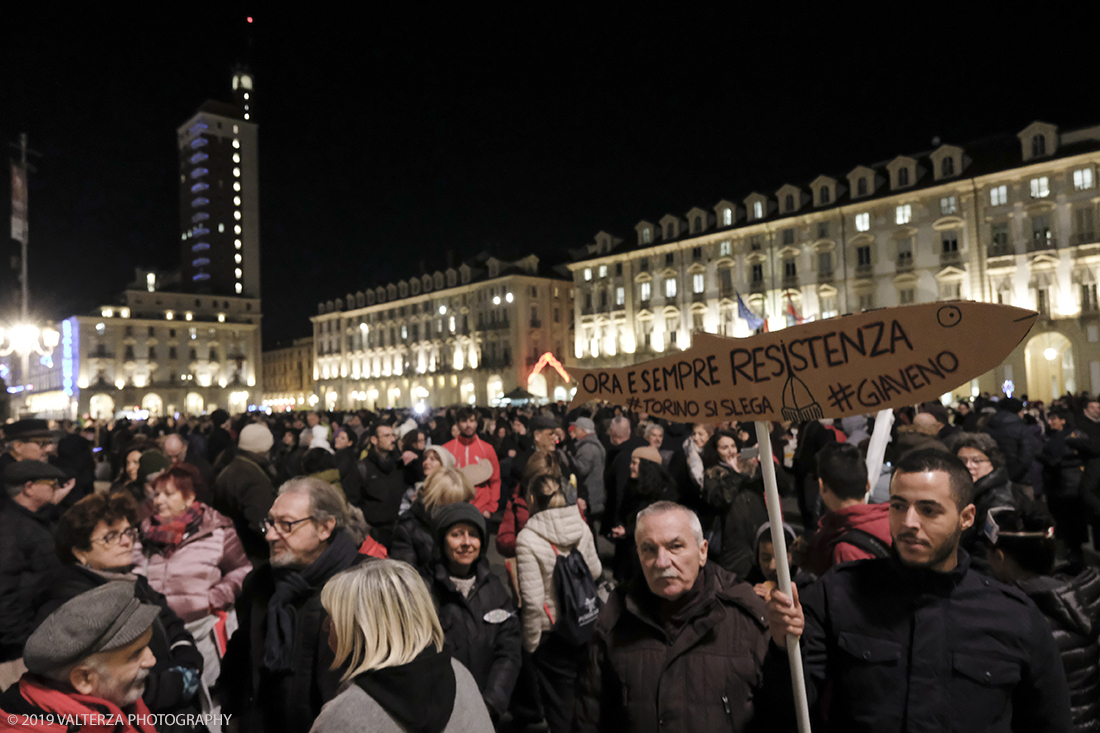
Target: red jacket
(29,705)
(473,450)
(827,546)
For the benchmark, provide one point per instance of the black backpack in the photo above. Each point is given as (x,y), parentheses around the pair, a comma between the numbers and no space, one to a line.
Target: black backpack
(578,602)
(863,540)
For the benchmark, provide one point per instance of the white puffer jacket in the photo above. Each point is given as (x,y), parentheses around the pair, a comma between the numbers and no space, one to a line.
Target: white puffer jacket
(535,560)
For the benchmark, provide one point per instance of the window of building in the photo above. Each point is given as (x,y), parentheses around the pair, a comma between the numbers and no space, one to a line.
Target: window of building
(1088,297)
(697,282)
(950,290)
(620,296)
(603,271)
(863,222)
(725,280)
(758,273)
(999,237)
(788,236)
(906,296)
(947,167)
(603,300)
(828,306)
(696,253)
(670,287)
(1083,225)
(724,249)
(1040,231)
(823,230)
(618,269)
(998,195)
(588,301)
(905,252)
(863,256)
(754,244)
(825,263)
(557,315)
(1038,146)
(790,268)
(823,195)
(671,324)
(788,203)
(647,235)
(1082,179)
(758,210)
(1042,301)
(867,300)
(697,321)
(903,213)
(861,186)
(949,204)
(727,217)
(903,176)
(643,265)
(669,259)
(697,225)
(950,242)
(645,290)
(670,231)
(588,273)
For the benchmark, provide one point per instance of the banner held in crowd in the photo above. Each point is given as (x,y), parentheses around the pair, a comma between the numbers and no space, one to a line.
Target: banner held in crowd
(838,367)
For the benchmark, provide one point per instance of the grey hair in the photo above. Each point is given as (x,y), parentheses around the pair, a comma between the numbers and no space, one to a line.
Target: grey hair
(620,426)
(325,501)
(660,507)
(14,489)
(650,428)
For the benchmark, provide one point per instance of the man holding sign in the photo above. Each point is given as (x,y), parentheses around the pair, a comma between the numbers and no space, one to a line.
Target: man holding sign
(919,641)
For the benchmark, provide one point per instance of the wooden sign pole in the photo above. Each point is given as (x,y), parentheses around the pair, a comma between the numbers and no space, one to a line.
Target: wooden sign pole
(779,547)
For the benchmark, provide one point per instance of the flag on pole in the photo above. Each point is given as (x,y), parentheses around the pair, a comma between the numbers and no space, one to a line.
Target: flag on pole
(753,320)
(18,202)
(791,312)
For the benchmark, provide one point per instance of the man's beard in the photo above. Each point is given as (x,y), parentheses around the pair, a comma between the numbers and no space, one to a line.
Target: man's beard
(941,552)
(286,559)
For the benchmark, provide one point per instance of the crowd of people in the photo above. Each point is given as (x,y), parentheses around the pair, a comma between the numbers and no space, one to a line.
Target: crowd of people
(536,568)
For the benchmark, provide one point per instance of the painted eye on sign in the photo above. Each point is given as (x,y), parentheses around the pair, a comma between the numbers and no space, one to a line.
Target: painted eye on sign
(833,368)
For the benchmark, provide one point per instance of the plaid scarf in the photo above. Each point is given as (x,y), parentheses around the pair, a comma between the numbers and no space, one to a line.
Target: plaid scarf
(167,535)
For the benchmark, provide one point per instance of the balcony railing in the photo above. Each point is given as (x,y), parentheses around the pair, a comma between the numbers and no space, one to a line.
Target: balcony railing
(757,286)
(1001,249)
(1042,244)
(950,257)
(536,323)
(1083,238)
(790,281)
(864,270)
(825,276)
(698,297)
(905,263)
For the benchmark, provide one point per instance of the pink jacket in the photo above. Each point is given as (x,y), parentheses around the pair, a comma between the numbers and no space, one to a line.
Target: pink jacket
(205,572)
(467,451)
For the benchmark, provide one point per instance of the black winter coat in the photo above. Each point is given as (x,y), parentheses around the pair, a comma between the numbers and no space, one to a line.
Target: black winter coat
(638,678)
(383,482)
(171,644)
(739,501)
(244,493)
(414,540)
(28,565)
(1072,607)
(992,490)
(1018,444)
(489,649)
(911,649)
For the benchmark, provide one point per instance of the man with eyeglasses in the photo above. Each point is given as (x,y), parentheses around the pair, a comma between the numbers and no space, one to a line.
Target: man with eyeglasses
(918,640)
(27,441)
(275,674)
(28,559)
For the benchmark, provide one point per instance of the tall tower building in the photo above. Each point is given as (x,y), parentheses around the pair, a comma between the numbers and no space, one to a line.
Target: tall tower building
(219,195)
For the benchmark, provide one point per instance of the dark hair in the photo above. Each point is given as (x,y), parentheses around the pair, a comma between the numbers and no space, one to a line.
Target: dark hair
(843,469)
(409,441)
(654,482)
(544,492)
(74,529)
(316,460)
(710,450)
(932,459)
(465,413)
(1034,554)
(979,442)
(1062,414)
(180,478)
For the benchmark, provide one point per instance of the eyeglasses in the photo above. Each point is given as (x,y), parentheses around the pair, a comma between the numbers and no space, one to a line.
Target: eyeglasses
(112,537)
(51,482)
(281,526)
(992,530)
(975,461)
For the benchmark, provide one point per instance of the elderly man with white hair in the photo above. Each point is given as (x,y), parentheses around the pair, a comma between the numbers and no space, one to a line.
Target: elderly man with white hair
(683,651)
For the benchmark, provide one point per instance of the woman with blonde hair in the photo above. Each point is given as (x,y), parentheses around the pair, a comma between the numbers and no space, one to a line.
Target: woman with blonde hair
(384,631)
(555,528)
(414,539)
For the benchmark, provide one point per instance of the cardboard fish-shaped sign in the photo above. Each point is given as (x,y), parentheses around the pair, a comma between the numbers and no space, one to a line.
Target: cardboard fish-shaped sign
(833,368)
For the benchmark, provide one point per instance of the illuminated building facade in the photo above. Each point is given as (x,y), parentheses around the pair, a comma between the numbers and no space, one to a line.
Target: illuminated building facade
(288,376)
(467,334)
(1010,219)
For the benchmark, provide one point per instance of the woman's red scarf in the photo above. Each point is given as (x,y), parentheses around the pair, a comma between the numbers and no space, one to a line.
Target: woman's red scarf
(167,535)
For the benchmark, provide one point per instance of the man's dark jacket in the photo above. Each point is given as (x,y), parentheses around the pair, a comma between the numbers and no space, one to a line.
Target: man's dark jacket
(638,678)
(383,486)
(28,565)
(414,540)
(244,493)
(1019,446)
(910,649)
(490,649)
(270,702)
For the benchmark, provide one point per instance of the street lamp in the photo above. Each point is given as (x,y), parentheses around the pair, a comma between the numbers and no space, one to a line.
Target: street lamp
(25,339)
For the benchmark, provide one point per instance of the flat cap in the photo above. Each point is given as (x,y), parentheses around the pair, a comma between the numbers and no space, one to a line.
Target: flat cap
(26,429)
(585,423)
(106,618)
(20,472)
(542,422)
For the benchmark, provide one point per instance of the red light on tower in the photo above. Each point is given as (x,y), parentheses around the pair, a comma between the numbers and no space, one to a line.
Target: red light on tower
(249,19)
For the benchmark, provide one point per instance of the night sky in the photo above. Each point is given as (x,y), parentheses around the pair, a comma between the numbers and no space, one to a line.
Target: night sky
(387,139)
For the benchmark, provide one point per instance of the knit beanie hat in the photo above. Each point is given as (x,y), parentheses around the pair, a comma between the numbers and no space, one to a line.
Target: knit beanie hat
(256,438)
(319,439)
(151,464)
(449,515)
(445,456)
